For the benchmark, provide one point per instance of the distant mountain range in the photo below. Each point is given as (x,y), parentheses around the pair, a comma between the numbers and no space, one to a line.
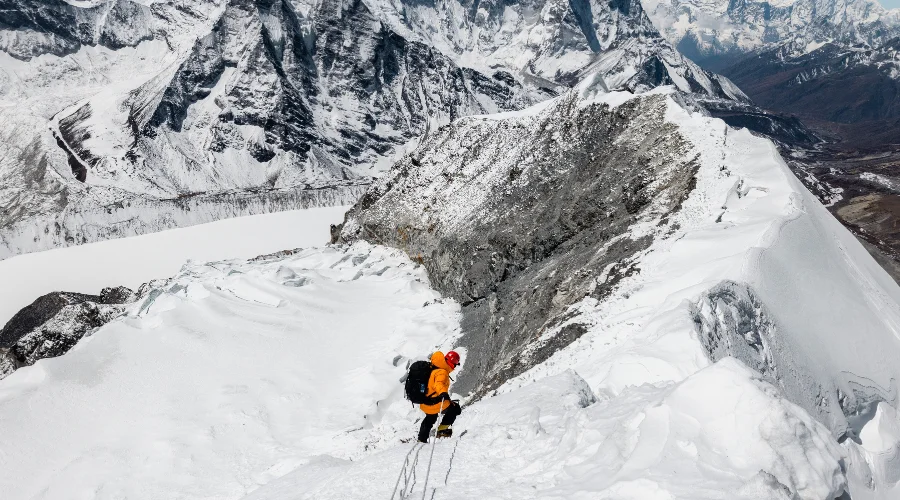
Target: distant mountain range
(833,63)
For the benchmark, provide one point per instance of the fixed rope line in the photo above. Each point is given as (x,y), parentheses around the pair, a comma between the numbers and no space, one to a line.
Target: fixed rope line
(403,474)
(450,466)
(428,470)
(412,475)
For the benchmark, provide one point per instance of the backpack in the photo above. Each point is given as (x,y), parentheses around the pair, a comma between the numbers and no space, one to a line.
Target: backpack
(417,383)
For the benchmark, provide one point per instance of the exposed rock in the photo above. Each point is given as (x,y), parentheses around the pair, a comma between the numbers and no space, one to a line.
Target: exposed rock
(54,323)
(520,218)
(732,321)
(787,131)
(7,363)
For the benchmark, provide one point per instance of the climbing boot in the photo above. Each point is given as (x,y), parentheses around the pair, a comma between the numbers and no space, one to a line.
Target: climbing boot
(444,431)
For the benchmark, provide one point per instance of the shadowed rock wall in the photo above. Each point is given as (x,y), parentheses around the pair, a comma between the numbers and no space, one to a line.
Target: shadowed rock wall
(518,219)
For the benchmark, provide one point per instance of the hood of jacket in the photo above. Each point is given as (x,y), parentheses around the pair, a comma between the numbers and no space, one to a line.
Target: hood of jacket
(437,359)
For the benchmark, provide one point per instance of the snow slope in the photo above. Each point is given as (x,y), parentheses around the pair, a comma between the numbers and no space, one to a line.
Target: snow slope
(235,373)
(134,261)
(231,374)
(555,440)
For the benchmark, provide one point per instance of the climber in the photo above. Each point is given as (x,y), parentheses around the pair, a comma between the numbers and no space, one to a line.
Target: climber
(438,390)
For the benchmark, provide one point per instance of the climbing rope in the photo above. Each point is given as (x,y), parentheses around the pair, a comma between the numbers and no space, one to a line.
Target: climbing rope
(406,474)
(428,470)
(406,479)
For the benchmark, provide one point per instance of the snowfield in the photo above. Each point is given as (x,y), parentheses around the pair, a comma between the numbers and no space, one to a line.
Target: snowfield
(136,260)
(754,356)
(229,375)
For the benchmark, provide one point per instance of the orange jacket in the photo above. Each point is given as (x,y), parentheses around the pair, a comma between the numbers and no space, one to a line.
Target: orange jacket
(438,383)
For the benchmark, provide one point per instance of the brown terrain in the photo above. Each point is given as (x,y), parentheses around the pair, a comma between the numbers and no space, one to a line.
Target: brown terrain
(870,198)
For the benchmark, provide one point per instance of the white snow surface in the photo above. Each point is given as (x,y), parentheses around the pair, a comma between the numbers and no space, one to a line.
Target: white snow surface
(555,439)
(277,379)
(136,260)
(231,374)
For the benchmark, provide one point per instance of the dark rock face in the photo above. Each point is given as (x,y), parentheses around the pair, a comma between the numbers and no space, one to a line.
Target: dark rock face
(852,94)
(54,323)
(785,130)
(56,27)
(520,219)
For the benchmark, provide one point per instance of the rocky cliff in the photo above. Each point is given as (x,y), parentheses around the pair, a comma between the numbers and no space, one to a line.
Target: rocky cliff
(520,218)
(54,323)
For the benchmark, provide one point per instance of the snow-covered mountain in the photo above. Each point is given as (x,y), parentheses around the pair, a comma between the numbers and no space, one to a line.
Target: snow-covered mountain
(849,93)
(833,63)
(648,303)
(708,30)
(124,117)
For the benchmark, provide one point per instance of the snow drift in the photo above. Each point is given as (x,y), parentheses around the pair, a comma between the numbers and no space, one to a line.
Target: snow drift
(553,439)
(222,378)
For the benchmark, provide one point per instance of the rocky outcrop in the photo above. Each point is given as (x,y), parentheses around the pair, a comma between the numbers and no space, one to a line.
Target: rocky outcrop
(519,218)
(54,323)
(785,130)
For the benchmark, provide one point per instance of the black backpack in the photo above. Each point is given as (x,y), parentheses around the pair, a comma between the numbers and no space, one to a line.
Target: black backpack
(417,383)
